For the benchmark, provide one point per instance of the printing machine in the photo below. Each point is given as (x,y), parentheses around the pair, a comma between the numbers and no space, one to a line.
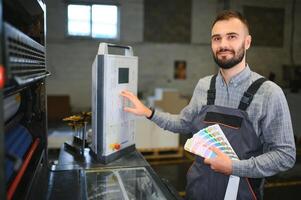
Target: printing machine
(23,138)
(24,169)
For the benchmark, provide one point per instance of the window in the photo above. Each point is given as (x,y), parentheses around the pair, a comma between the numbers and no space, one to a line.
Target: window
(96,21)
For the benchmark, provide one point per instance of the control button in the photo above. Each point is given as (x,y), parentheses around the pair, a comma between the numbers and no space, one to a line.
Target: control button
(115,146)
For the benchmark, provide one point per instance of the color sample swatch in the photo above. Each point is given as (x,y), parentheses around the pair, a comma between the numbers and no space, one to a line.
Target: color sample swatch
(211,136)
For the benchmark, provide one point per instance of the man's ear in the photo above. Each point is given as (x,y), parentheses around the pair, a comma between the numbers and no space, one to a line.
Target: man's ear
(248,41)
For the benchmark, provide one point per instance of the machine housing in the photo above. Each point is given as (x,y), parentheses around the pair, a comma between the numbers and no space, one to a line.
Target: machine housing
(113,129)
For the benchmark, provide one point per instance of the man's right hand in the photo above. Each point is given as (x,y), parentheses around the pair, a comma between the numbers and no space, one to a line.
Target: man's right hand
(138,107)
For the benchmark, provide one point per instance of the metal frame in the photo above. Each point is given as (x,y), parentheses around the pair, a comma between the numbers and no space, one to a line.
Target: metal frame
(2,164)
(33,88)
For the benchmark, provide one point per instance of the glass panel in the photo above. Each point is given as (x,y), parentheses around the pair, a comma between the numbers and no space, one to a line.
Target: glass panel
(104,21)
(103,185)
(79,20)
(126,183)
(139,185)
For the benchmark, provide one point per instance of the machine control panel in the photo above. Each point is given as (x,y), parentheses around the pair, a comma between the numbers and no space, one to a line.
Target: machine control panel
(113,129)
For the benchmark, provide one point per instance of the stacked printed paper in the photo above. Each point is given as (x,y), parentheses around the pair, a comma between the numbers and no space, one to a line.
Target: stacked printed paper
(211,136)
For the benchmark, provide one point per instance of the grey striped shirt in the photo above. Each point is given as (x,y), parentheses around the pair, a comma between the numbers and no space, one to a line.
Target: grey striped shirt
(268,112)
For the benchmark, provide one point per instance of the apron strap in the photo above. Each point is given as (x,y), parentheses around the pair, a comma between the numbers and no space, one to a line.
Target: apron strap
(249,94)
(211,92)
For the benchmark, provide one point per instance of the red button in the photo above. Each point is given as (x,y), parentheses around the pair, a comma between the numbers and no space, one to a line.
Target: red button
(117,146)
(2,77)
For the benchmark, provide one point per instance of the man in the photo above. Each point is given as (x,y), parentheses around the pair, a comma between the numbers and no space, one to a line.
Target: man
(252,112)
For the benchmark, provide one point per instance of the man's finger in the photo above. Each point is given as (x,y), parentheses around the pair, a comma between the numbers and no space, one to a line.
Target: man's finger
(127,93)
(127,96)
(207,161)
(124,94)
(216,150)
(127,109)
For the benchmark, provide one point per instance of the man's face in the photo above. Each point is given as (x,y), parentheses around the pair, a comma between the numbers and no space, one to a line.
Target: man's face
(229,41)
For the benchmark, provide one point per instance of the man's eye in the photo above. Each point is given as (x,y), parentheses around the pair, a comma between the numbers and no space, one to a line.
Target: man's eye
(231,37)
(216,39)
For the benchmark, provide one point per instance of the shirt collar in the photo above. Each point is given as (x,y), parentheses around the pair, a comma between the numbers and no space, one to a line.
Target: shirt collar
(239,78)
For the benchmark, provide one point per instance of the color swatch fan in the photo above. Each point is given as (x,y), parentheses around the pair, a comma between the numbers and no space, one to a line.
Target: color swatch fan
(211,136)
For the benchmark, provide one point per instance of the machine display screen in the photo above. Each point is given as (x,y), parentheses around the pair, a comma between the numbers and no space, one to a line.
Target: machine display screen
(123,75)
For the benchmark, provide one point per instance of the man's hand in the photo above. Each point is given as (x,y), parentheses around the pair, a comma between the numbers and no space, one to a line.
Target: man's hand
(221,163)
(139,108)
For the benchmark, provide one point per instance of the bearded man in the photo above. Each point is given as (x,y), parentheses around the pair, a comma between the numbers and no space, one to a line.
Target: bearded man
(251,111)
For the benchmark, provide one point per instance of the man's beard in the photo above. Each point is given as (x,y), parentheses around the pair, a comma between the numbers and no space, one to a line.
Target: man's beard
(229,63)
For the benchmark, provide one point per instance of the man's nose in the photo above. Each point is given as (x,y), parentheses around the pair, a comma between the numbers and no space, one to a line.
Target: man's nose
(224,43)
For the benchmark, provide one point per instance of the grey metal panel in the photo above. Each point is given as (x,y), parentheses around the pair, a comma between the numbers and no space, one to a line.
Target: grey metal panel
(100,103)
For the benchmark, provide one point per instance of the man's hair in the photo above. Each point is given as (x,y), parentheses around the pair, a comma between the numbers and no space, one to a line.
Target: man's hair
(229,14)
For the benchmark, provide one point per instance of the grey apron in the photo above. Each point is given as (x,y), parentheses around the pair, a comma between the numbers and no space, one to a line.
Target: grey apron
(202,182)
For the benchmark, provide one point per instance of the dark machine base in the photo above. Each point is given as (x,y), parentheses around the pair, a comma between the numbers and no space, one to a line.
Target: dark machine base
(69,181)
(79,141)
(75,146)
(113,156)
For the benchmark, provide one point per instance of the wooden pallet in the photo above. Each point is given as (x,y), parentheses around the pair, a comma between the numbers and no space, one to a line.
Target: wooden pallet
(162,153)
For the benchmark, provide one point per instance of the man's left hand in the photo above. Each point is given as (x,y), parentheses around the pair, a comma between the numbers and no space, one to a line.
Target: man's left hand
(221,163)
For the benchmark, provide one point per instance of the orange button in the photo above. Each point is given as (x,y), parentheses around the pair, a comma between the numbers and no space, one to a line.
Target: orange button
(117,146)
